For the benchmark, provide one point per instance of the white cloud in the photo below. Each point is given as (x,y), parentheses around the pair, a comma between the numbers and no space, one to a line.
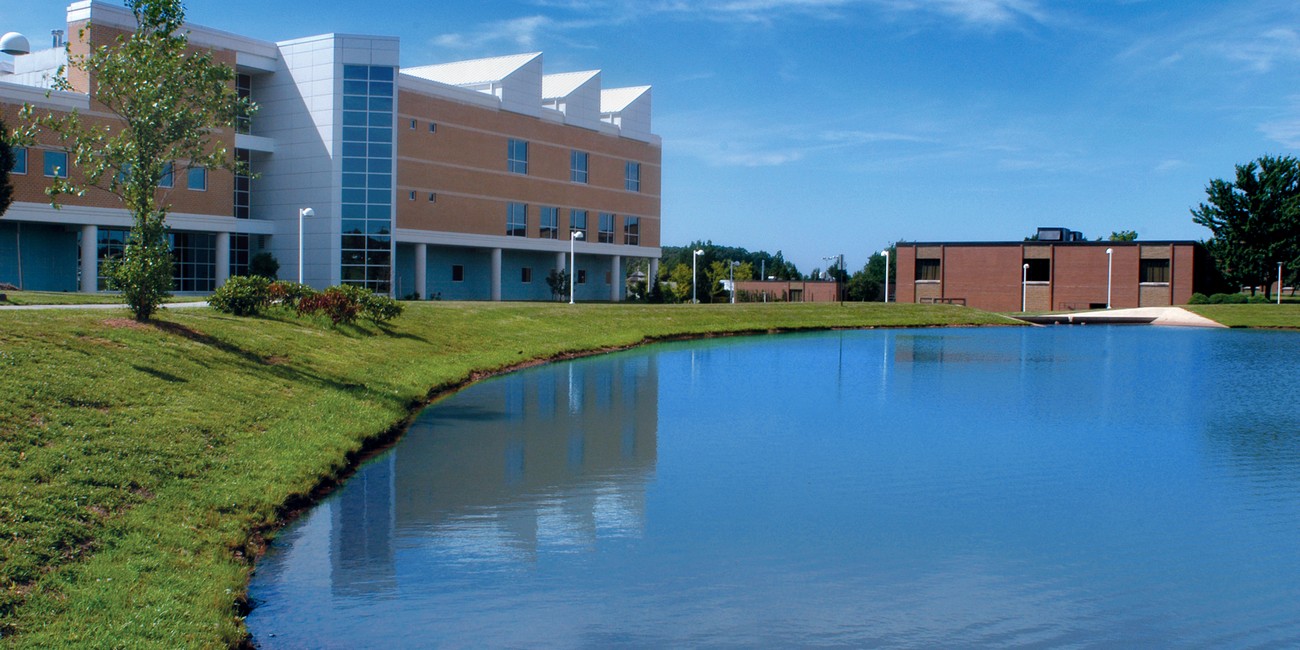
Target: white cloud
(1169,164)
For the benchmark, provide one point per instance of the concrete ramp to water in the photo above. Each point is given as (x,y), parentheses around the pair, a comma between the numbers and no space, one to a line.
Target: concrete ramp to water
(1176,316)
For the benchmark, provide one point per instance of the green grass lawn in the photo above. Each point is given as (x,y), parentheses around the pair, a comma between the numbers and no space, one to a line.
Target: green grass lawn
(140,465)
(65,298)
(1285,315)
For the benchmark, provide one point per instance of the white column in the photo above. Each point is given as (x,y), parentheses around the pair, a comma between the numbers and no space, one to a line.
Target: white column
(90,258)
(223,257)
(561,261)
(654,273)
(615,278)
(421,271)
(496,274)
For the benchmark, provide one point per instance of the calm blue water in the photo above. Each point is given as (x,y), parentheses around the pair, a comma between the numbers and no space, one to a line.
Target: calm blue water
(1047,487)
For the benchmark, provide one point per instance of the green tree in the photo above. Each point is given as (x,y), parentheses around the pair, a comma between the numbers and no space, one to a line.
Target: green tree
(172,106)
(6,165)
(1123,235)
(1255,220)
(868,283)
(558,281)
(678,286)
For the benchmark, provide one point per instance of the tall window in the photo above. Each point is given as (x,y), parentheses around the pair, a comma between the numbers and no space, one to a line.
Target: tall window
(20,160)
(517,156)
(196,178)
(606,233)
(578,166)
(1040,270)
(1154,271)
(243,200)
(517,219)
(578,221)
(550,222)
(239,254)
(194,261)
(244,88)
(56,164)
(367,210)
(632,231)
(927,269)
(168,178)
(632,176)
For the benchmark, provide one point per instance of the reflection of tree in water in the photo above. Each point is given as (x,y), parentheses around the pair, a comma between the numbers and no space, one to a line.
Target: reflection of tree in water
(551,458)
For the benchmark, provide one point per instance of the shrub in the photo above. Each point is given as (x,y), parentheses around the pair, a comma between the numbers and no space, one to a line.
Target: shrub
(374,307)
(1228,299)
(264,264)
(1258,299)
(288,293)
(333,302)
(1198,299)
(242,295)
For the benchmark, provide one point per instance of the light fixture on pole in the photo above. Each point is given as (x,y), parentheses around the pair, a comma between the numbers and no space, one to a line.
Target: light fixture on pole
(731,268)
(1024,287)
(574,236)
(887,277)
(303,213)
(695,274)
(14,44)
(1109,273)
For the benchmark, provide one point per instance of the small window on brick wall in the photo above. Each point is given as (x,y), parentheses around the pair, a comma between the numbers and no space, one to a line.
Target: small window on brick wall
(1040,270)
(927,269)
(1155,271)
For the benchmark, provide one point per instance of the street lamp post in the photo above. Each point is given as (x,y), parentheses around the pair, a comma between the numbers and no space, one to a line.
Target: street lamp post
(574,236)
(302,214)
(1109,273)
(695,274)
(731,269)
(1024,287)
(887,277)
(1279,283)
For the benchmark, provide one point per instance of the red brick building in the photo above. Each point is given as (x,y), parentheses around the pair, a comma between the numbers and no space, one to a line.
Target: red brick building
(1059,275)
(783,291)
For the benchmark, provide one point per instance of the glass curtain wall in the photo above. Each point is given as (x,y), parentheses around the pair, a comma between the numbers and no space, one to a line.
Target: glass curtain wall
(368,106)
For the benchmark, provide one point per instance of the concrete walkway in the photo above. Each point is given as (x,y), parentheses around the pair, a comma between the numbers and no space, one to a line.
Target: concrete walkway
(1174,316)
(115,305)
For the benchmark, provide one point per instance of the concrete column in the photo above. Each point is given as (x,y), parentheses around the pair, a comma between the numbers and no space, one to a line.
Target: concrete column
(496,274)
(654,273)
(421,271)
(615,278)
(90,258)
(223,257)
(561,261)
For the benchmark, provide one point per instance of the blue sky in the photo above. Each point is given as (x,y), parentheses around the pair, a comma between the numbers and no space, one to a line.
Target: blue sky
(820,127)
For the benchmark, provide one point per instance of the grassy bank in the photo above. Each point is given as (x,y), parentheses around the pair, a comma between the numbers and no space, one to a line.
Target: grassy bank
(65,298)
(139,464)
(1285,315)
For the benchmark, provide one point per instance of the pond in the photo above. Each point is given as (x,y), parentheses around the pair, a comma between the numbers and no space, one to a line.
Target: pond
(1068,486)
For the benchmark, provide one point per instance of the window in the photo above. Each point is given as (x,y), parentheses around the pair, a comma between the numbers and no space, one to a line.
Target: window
(433,127)
(244,89)
(517,156)
(1040,270)
(578,221)
(433,197)
(20,160)
(457,273)
(606,234)
(632,176)
(582,276)
(411,196)
(632,231)
(526,275)
(412,125)
(578,166)
(168,178)
(243,187)
(549,223)
(56,164)
(517,219)
(927,269)
(367,176)
(1154,271)
(197,179)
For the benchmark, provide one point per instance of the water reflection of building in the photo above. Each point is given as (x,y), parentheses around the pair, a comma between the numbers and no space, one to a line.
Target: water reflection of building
(557,456)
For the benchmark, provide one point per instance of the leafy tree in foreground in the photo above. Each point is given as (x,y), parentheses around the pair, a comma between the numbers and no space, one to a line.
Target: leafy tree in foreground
(171,104)
(1255,220)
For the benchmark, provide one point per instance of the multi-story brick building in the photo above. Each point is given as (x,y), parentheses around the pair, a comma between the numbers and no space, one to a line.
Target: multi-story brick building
(461,181)
(1059,273)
